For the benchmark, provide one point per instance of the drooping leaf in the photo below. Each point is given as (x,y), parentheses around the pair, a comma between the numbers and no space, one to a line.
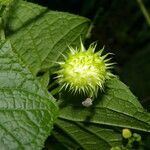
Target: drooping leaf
(117,106)
(27,112)
(39,36)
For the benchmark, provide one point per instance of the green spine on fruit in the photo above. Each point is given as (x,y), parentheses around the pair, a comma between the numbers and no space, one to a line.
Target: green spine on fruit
(84,71)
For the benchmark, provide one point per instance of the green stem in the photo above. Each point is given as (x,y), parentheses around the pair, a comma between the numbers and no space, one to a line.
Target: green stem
(52,84)
(2,33)
(2,9)
(88,35)
(144,11)
(55,91)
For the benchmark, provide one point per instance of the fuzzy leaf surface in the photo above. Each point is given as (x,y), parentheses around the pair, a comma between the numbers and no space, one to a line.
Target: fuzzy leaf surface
(35,31)
(27,112)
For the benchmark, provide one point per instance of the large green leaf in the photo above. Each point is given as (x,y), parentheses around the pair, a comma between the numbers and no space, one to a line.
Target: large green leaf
(75,135)
(39,36)
(27,112)
(117,106)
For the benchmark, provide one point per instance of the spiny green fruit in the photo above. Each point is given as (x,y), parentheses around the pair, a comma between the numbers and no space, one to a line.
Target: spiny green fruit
(84,71)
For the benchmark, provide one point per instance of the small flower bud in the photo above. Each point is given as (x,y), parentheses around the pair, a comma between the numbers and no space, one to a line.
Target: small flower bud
(115,148)
(137,137)
(126,133)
